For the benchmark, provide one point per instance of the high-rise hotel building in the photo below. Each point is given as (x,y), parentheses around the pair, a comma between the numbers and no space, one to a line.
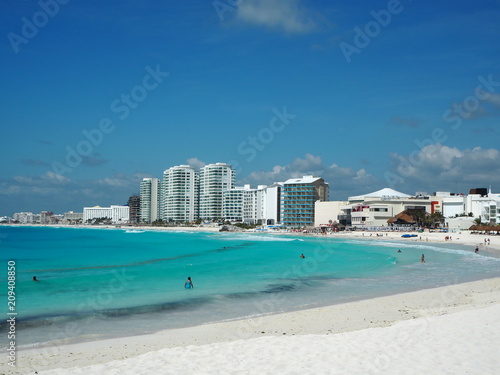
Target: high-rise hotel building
(214,180)
(297,200)
(179,192)
(149,193)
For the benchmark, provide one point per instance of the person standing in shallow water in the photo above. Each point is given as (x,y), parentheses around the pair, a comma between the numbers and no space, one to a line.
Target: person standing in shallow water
(189,283)
(423,258)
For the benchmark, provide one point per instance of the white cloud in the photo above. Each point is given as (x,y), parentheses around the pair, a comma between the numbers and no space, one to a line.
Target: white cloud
(195,163)
(122,180)
(285,15)
(438,167)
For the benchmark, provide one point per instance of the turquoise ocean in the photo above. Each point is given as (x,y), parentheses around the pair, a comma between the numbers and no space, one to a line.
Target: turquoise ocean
(100,283)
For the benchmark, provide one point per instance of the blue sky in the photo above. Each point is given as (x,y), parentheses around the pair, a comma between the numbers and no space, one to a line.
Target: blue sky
(365,94)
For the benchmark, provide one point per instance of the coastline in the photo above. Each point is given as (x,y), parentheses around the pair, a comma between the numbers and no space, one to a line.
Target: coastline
(461,237)
(378,317)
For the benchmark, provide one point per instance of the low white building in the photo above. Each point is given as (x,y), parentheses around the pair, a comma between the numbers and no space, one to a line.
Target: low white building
(71,216)
(485,205)
(327,213)
(373,210)
(117,214)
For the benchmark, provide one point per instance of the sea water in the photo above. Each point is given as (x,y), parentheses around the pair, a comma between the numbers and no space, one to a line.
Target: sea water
(96,284)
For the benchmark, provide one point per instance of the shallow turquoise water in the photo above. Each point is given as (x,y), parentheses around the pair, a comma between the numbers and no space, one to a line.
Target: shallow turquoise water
(107,283)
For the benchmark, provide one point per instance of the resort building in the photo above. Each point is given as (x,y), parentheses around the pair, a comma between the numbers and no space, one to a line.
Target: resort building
(134,205)
(149,197)
(117,214)
(24,217)
(298,198)
(480,203)
(449,204)
(484,204)
(253,206)
(215,179)
(71,217)
(45,217)
(179,194)
(373,210)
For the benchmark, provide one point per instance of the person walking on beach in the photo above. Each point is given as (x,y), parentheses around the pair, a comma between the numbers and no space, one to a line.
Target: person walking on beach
(189,283)
(423,258)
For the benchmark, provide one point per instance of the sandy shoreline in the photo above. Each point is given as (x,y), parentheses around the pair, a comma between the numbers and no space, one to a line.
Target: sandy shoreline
(460,237)
(408,311)
(435,309)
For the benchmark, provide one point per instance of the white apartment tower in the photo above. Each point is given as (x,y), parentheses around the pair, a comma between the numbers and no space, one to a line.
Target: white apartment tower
(179,194)
(214,180)
(149,193)
(271,204)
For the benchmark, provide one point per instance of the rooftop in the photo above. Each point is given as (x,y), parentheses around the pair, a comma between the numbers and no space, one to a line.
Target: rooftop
(387,193)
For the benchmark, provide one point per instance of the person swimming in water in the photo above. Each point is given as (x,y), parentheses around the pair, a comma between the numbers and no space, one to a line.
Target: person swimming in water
(34,278)
(302,256)
(189,283)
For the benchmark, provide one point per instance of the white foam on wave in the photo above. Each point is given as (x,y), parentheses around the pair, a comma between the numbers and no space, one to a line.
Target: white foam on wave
(424,246)
(257,237)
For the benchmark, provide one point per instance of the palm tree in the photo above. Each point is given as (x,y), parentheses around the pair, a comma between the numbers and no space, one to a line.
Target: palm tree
(477,220)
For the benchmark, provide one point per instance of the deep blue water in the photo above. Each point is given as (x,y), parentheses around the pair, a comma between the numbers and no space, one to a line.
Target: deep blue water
(98,283)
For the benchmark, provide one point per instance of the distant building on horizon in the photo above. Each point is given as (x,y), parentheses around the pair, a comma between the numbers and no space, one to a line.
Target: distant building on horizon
(71,217)
(117,214)
(134,204)
(149,199)
(45,217)
(24,217)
